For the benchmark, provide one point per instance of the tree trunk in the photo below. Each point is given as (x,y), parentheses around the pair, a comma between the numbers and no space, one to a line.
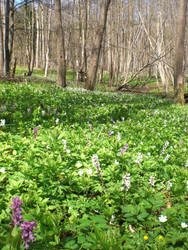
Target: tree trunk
(7,55)
(61,63)
(48,41)
(1,45)
(178,70)
(94,59)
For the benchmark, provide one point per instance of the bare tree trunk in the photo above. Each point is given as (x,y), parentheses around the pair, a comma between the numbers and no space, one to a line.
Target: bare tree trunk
(7,55)
(178,71)
(61,62)
(48,42)
(94,60)
(1,45)
(38,36)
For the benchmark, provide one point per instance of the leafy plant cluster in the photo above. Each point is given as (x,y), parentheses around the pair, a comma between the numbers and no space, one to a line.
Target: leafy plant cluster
(94,170)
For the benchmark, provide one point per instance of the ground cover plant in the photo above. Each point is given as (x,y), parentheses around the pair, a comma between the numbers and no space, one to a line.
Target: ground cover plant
(93,170)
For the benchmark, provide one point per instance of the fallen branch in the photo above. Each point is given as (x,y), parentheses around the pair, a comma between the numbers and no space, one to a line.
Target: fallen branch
(124,85)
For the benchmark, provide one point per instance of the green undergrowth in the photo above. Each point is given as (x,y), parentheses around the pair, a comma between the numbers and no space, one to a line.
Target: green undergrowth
(114,202)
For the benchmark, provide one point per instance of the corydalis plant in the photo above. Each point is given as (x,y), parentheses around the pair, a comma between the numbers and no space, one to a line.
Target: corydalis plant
(16,210)
(126,182)
(16,220)
(96,164)
(35,131)
(27,228)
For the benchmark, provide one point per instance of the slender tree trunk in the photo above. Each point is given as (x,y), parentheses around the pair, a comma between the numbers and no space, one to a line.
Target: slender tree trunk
(38,36)
(61,62)
(7,54)
(94,59)
(178,71)
(1,45)
(48,41)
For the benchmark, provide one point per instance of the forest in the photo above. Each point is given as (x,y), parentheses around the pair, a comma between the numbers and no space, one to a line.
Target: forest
(93,124)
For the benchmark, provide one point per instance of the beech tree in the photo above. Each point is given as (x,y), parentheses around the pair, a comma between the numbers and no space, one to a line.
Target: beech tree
(94,58)
(61,63)
(179,54)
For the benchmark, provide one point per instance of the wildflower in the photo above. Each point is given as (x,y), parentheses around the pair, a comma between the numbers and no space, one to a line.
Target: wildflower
(64,144)
(145,237)
(126,182)
(81,172)
(166,158)
(57,121)
(116,162)
(110,132)
(43,112)
(2,122)
(16,211)
(28,110)
(78,164)
(160,237)
(140,158)
(112,220)
(89,171)
(2,170)
(35,131)
(27,235)
(184,225)
(91,127)
(169,185)
(118,137)
(123,149)
(164,147)
(152,181)
(96,163)
(68,151)
(162,218)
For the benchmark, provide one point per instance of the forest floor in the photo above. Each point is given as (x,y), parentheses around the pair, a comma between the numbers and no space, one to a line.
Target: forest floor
(95,170)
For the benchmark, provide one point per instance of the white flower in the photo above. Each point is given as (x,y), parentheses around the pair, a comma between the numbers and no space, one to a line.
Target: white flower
(89,171)
(95,162)
(162,218)
(140,158)
(126,182)
(64,144)
(81,172)
(152,181)
(2,170)
(112,220)
(43,112)
(28,110)
(78,164)
(118,137)
(169,185)
(166,158)
(57,121)
(184,225)
(116,162)
(2,122)
(68,151)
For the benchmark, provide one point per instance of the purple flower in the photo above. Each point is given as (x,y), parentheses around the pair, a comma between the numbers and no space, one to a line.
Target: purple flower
(123,149)
(35,131)
(16,211)
(91,127)
(42,105)
(27,235)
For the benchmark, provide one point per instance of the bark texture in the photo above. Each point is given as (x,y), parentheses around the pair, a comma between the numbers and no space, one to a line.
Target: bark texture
(179,56)
(61,63)
(94,59)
